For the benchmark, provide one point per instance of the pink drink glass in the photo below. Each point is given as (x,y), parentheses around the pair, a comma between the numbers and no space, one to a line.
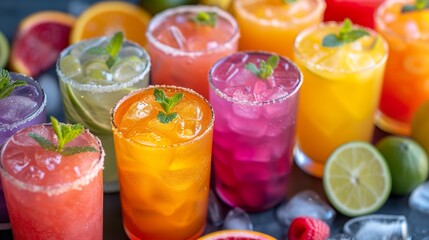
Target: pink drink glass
(254,130)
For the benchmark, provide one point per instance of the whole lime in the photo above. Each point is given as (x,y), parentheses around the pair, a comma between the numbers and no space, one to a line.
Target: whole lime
(420,126)
(157,6)
(407,161)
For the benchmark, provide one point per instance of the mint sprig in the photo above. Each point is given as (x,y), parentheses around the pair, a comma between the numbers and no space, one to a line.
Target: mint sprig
(289,1)
(420,5)
(266,68)
(65,133)
(6,86)
(346,35)
(205,18)
(112,49)
(167,104)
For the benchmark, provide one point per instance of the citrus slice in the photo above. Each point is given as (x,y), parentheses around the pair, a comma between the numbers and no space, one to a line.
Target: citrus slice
(39,40)
(356,179)
(236,235)
(4,50)
(106,18)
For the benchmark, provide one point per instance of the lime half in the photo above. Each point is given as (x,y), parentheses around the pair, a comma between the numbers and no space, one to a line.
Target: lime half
(356,179)
(4,50)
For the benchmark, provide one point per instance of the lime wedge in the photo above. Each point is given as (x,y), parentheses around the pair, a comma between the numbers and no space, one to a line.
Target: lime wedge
(85,115)
(4,50)
(356,179)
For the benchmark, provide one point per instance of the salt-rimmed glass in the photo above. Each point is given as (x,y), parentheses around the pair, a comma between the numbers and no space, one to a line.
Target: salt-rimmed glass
(184,67)
(253,140)
(31,96)
(45,204)
(164,188)
(90,103)
(269,26)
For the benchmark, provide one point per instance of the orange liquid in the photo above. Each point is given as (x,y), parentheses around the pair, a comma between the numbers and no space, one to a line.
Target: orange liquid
(272,25)
(164,169)
(406,82)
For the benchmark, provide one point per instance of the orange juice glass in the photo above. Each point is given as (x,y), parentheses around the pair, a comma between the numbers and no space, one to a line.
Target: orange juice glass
(272,25)
(406,82)
(339,95)
(164,168)
(182,51)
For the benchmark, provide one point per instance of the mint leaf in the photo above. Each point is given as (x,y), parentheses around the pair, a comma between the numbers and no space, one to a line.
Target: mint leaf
(289,1)
(166,118)
(266,68)
(97,50)
(67,151)
(346,35)
(6,86)
(205,18)
(65,133)
(112,49)
(45,143)
(167,104)
(420,5)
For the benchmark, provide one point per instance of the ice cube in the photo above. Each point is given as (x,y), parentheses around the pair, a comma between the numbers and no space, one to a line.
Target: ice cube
(189,110)
(135,112)
(48,160)
(128,69)
(130,51)
(15,108)
(244,108)
(377,227)
(248,127)
(419,198)
(149,138)
(270,94)
(237,219)
(341,236)
(305,203)
(188,128)
(216,213)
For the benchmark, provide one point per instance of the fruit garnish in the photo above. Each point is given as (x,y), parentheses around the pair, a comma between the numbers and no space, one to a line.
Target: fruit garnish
(112,49)
(266,68)
(65,133)
(4,50)
(167,104)
(289,1)
(39,40)
(346,35)
(205,18)
(407,161)
(357,179)
(308,228)
(6,86)
(96,21)
(420,5)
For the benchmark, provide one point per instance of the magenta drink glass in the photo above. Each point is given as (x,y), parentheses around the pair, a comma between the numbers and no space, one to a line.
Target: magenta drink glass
(24,107)
(254,130)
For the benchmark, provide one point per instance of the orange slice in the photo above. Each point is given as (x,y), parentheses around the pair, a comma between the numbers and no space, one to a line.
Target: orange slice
(39,40)
(236,234)
(106,18)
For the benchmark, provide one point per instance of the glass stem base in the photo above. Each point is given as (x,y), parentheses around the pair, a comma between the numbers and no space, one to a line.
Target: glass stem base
(307,164)
(391,125)
(195,236)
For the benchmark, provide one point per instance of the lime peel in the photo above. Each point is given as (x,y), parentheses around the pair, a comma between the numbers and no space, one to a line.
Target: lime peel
(356,179)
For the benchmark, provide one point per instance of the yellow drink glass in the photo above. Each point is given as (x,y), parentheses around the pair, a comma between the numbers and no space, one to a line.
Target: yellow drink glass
(164,168)
(406,82)
(339,95)
(272,25)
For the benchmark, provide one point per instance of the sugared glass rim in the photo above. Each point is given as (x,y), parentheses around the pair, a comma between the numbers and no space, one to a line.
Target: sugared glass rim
(318,67)
(382,27)
(158,18)
(139,91)
(33,115)
(320,8)
(255,103)
(95,88)
(55,189)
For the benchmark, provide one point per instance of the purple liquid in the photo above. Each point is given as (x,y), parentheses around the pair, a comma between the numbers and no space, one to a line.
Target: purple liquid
(25,107)
(254,130)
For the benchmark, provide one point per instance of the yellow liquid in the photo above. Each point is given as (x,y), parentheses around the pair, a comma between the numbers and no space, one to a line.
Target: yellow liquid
(164,169)
(272,25)
(340,92)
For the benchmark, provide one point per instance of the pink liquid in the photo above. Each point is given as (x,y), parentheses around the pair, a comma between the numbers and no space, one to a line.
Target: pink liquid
(182,52)
(50,196)
(359,11)
(254,130)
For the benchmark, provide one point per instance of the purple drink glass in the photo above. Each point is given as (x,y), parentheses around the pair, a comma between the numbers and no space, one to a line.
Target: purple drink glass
(254,130)
(26,106)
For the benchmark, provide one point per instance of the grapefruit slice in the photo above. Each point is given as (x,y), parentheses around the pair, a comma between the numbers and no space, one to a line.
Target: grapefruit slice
(106,18)
(236,235)
(39,40)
